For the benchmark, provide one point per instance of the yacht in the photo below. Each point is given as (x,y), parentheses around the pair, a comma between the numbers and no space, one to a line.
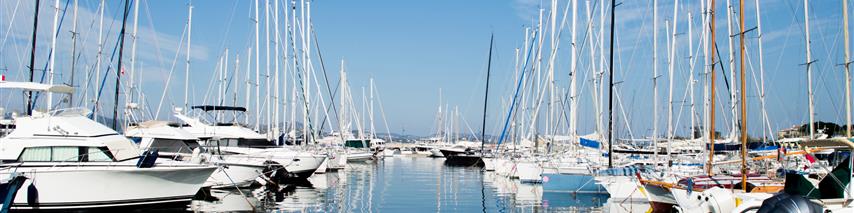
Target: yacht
(233,138)
(56,149)
(175,143)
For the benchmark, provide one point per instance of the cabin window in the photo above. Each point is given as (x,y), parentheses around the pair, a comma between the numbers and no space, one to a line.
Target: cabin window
(36,154)
(65,154)
(70,154)
(98,155)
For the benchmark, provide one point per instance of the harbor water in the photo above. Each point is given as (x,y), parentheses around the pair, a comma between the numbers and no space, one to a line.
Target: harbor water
(409,184)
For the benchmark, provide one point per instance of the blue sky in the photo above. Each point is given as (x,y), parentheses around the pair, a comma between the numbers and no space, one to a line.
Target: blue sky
(414,48)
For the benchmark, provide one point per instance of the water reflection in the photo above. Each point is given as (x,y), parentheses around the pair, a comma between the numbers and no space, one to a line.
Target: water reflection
(404,184)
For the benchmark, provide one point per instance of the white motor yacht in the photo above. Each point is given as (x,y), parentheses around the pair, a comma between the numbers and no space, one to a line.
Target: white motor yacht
(232,138)
(175,143)
(72,162)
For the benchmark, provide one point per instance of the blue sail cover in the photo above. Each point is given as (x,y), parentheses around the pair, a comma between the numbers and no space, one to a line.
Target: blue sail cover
(589,143)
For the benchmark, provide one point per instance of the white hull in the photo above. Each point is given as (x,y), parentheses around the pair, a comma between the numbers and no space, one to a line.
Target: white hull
(529,172)
(359,156)
(436,153)
(323,167)
(233,175)
(621,188)
(301,163)
(488,164)
(90,186)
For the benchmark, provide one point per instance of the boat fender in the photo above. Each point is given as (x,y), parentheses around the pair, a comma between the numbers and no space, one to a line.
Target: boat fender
(786,203)
(32,195)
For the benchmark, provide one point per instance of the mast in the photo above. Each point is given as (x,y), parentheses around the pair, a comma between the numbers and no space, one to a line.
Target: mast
(486,96)
(744,169)
(248,80)
(371,107)
(257,71)
(187,69)
(53,54)
(671,63)
(809,70)
(691,70)
(269,93)
(573,128)
(551,83)
(33,58)
(100,54)
(765,120)
(276,98)
(130,91)
(655,82)
(611,88)
(846,63)
(732,92)
(710,51)
(73,53)
(119,69)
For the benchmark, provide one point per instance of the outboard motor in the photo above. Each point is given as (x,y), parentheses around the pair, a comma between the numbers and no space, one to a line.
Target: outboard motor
(786,203)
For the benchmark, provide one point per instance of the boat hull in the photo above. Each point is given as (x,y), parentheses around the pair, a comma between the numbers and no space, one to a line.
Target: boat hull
(107,186)
(571,183)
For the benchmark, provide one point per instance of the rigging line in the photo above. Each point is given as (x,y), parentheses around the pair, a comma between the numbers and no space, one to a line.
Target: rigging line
(326,79)
(8,32)
(104,80)
(50,52)
(518,86)
(171,71)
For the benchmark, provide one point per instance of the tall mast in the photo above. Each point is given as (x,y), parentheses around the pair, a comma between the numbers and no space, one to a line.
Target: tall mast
(73,53)
(486,96)
(732,92)
(573,129)
(691,70)
(33,58)
(655,82)
(119,69)
(809,70)
(100,54)
(276,98)
(671,63)
(257,70)
(187,69)
(551,80)
(846,63)
(306,69)
(53,54)
(269,93)
(371,110)
(294,67)
(712,61)
(611,88)
(130,90)
(596,94)
(248,81)
(744,170)
(765,120)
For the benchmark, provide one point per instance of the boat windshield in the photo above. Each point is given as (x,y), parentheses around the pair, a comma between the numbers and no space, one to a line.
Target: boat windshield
(174,146)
